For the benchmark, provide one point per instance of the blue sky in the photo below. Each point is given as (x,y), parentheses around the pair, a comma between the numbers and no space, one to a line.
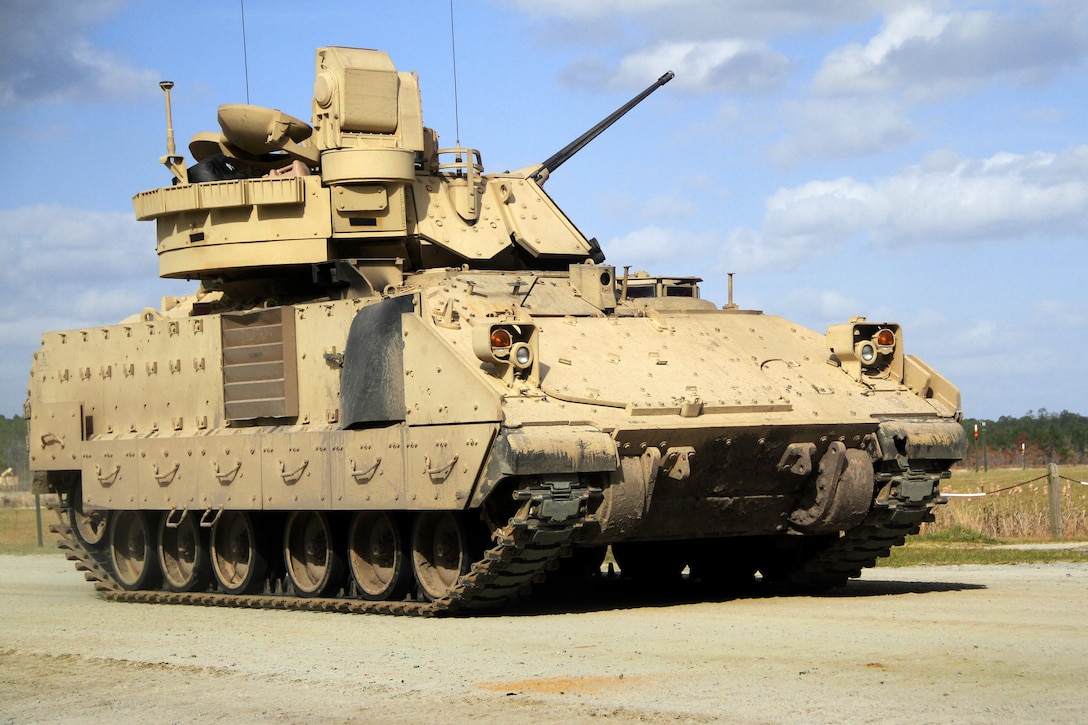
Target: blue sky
(916,162)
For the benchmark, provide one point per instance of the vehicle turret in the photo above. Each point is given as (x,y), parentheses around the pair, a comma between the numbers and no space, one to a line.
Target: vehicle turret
(354,198)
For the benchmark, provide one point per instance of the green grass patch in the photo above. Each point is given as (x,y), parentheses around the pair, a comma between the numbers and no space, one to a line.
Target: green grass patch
(931,554)
(957,534)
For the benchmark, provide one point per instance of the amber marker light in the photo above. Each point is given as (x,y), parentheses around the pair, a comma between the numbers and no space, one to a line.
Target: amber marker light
(500,338)
(885,338)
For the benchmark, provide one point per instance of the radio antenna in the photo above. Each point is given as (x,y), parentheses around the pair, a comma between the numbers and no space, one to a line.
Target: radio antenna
(245,51)
(456,110)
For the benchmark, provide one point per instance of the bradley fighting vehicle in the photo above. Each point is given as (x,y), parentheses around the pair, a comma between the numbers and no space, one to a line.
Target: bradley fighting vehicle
(408,386)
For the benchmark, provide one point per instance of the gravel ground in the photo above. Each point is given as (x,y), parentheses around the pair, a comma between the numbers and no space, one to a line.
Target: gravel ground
(910,645)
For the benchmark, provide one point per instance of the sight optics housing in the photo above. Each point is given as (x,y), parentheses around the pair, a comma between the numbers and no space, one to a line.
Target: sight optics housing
(510,348)
(867,350)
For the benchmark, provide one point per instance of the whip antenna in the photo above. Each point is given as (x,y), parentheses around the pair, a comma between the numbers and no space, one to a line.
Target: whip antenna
(456,110)
(245,52)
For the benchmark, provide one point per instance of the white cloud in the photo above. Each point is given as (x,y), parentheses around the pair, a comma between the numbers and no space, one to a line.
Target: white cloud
(813,214)
(658,250)
(66,246)
(927,54)
(44,56)
(706,18)
(744,251)
(871,68)
(945,199)
(842,128)
(722,66)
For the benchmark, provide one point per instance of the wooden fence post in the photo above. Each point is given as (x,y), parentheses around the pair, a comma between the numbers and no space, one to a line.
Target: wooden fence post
(1055,501)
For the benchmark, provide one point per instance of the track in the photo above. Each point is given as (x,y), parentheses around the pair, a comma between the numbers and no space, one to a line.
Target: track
(887,525)
(524,549)
(860,547)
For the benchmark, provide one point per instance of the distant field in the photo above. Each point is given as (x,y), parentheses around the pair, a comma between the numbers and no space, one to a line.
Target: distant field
(1019,513)
(19,531)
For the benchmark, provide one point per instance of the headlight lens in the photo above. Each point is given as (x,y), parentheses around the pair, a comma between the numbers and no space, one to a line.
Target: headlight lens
(522,356)
(867,353)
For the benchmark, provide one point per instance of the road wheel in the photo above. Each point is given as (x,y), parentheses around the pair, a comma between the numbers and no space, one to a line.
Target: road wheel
(183,554)
(314,562)
(378,556)
(90,527)
(440,552)
(238,558)
(132,550)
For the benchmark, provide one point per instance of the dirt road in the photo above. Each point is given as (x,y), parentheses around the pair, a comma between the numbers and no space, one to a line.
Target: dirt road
(948,645)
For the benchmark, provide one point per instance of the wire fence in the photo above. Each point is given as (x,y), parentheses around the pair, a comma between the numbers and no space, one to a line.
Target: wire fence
(1049,506)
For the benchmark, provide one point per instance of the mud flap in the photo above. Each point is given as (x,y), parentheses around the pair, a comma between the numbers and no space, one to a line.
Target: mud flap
(554,449)
(544,450)
(941,440)
(628,497)
(372,379)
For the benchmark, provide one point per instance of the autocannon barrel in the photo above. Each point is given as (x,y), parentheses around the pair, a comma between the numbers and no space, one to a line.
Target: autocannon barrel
(558,158)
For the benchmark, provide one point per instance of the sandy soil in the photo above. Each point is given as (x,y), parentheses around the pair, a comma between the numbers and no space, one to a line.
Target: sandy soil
(947,645)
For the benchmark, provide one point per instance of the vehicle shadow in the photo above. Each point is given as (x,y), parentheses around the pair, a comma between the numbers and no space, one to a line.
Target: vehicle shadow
(608,593)
(872,588)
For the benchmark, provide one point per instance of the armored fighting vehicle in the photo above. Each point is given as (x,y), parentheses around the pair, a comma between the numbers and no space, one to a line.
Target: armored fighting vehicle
(406,385)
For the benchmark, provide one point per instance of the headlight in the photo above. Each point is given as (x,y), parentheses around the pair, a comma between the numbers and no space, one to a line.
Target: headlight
(863,348)
(523,356)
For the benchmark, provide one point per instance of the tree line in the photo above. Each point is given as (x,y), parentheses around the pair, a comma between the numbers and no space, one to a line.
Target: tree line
(1037,438)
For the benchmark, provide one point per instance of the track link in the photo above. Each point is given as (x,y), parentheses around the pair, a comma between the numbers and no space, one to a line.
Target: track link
(886,526)
(524,549)
(859,548)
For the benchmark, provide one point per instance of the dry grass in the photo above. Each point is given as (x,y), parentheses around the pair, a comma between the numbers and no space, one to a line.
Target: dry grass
(19,531)
(1019,513)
